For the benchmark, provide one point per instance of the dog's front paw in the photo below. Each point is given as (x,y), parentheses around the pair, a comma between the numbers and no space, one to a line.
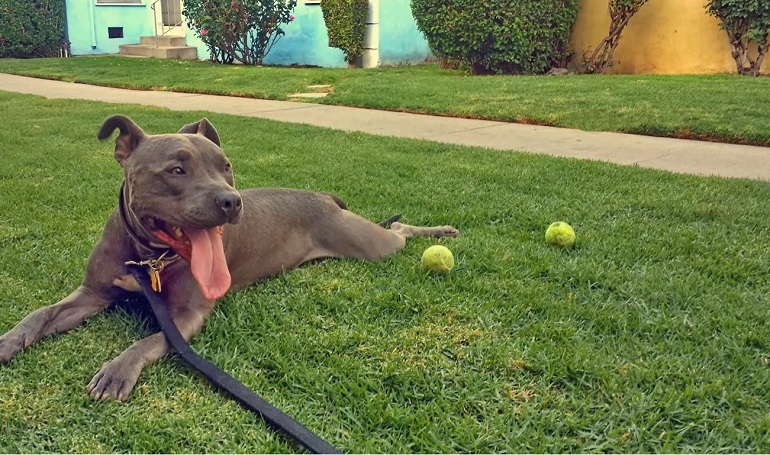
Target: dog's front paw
(114,380)
(10,345)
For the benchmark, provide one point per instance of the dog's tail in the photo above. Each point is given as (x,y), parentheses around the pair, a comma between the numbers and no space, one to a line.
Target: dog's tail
(389,221)
(338,201)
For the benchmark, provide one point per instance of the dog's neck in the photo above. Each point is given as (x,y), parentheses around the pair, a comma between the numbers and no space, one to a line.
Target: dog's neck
(145,244)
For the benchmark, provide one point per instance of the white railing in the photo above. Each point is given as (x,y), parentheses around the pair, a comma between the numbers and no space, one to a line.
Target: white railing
(171,16)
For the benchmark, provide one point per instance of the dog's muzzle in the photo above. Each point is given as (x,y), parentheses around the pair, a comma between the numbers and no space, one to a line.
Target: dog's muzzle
(231,204)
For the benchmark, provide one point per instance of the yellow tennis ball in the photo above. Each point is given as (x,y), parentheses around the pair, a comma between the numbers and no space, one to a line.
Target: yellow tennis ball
(560,234)
(437,259)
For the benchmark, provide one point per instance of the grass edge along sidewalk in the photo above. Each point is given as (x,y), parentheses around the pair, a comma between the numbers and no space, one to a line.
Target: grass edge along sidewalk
(676,155)
(721,108)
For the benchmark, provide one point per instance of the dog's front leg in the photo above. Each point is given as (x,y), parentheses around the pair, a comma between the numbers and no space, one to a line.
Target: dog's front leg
(117,377)
(60,317)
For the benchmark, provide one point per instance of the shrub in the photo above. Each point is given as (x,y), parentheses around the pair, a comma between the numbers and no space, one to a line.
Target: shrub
(746,22)
(346,24)
(621,12)
(238,30)
(498,36)
(31,28)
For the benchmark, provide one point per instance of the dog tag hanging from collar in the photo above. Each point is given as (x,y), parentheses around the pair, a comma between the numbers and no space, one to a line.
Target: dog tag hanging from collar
(155,280)
(154,267)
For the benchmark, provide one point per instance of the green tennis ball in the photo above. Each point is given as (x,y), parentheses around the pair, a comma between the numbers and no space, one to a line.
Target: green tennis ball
(437,259)
(560,234)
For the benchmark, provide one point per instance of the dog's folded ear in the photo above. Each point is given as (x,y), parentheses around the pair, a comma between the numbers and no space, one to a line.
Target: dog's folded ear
(130,135)
(204,128)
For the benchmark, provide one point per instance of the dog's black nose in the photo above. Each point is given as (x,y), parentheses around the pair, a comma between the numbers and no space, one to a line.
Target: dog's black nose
(230,203)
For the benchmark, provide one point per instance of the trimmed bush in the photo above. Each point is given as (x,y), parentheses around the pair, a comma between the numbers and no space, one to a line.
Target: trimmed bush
(346,24)
(31,28)
(498,36)
(746,22)
(238,30)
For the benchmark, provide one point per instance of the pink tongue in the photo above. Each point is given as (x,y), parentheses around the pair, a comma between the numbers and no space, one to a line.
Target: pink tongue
(208,263)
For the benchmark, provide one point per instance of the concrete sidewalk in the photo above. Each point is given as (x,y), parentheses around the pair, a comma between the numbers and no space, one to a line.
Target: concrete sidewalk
(676,155)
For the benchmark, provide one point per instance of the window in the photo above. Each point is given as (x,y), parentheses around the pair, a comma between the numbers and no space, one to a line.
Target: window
(115,32)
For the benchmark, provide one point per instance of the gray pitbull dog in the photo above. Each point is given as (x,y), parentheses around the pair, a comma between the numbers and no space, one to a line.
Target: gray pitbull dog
(180,215)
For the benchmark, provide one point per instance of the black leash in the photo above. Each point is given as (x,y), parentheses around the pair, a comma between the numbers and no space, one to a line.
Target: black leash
(389,221)
(273,416)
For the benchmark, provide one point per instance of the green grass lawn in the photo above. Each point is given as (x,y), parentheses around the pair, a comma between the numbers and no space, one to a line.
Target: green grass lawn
(722,108)
(650,335)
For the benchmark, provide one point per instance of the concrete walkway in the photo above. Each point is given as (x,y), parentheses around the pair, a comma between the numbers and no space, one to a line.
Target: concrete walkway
(676,155)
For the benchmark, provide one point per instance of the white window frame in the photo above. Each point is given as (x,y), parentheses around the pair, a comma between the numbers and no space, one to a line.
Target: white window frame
(120,2)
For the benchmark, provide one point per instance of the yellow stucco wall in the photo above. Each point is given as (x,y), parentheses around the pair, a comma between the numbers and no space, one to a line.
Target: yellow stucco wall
(664,37)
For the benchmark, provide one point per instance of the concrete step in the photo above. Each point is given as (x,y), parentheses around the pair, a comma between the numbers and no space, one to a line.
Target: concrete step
(163,41)
(143,50)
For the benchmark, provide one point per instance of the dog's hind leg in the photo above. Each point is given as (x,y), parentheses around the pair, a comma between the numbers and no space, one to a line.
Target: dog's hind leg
(60,317)
(347,234)
(409,231)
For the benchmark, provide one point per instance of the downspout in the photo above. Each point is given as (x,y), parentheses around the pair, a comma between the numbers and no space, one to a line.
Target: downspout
(371,57)
(91,16)
(66,36)
(65,47)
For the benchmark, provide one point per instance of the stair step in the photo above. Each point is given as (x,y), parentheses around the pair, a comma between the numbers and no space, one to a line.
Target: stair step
(163,41)
(176,52)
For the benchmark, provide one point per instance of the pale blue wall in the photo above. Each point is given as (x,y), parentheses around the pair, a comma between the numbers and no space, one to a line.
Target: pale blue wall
(400,41)
(135,20)
(306,41)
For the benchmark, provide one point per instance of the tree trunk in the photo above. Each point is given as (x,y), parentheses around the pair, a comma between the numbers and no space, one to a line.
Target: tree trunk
(602,56)
(745,65)
(762,48)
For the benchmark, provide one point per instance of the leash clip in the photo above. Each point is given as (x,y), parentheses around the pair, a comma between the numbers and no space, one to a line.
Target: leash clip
(154,266)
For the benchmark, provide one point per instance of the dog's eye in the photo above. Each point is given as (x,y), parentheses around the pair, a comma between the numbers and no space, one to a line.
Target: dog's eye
(228,168)
(177,171)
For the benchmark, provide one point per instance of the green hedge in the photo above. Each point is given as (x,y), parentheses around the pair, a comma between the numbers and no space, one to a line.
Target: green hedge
(498,36)
(346,24)
(31,28)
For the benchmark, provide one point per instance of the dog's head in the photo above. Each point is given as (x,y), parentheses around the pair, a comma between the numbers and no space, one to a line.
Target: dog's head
(179,187)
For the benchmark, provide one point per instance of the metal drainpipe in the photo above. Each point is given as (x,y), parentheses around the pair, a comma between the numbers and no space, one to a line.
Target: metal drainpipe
(66,24)
(371,57)
(93,23)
